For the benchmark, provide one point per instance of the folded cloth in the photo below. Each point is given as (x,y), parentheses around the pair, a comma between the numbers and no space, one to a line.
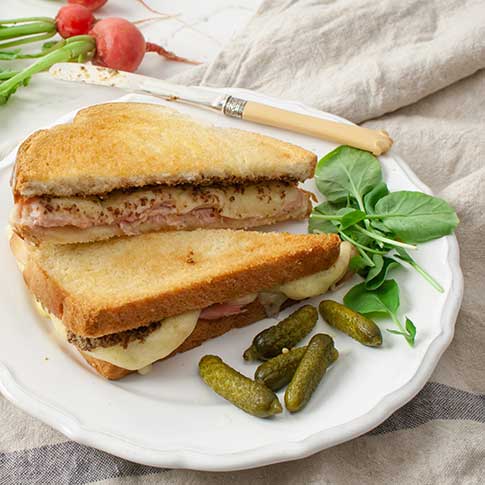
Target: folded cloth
(359,59)
(356,58)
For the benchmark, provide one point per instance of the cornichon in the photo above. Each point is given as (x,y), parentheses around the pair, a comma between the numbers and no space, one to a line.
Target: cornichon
(352,323)
(309,372)
(286,334)
(278,371)
(250,396)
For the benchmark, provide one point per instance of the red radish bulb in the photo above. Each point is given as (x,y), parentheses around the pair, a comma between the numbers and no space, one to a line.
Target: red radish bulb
(74,20)
(119,44)
(90,4)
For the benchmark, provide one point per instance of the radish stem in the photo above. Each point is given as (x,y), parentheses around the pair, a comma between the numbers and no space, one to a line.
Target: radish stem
(23,20)
(26,40)
(44,27)
(7,75)
(76,48)
(17,53)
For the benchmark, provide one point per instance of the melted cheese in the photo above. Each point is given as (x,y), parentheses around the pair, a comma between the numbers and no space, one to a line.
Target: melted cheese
(139,355)
(319,283)
(9,231)
(157,345)
(272,301)
(42,311)
(145,370)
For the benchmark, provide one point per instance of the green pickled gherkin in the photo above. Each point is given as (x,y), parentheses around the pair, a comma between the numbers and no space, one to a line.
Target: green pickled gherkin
(278,371)
(309,372)
(250,396)
(352,323)
(286,334)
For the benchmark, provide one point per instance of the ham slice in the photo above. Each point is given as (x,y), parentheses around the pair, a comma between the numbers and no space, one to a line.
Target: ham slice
(166,208)
(219,310)
(232,307)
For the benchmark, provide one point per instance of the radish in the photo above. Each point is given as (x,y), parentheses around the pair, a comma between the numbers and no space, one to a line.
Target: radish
(112,42)
(90,4)
(119,44)
(71,20)
(74,20)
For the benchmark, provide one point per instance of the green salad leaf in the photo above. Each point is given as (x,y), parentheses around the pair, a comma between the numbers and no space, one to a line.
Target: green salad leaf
(358,264)
(409,334)
(415,217)
(347,172)
(385,301)
(350,218)
(371,198)
(378,274)
(320,220)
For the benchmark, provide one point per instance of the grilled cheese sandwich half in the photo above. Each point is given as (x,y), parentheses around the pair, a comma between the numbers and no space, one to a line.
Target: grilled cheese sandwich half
(127,303)
(129,168)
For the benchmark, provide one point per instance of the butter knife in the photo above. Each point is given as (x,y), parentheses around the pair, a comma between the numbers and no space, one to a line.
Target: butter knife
(375,141)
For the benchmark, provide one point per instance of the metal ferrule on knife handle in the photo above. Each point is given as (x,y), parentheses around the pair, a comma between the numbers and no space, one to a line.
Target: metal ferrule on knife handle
(234,107)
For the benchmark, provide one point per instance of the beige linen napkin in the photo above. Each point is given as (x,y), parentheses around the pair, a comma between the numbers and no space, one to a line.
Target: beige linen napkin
(359,59)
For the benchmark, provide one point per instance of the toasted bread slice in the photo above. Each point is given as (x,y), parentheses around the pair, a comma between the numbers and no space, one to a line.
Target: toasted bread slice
(125,145)
(107,287)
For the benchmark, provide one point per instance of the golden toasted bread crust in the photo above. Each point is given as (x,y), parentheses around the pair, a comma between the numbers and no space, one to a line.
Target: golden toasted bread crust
(204,330)
(300,256)
(124,145)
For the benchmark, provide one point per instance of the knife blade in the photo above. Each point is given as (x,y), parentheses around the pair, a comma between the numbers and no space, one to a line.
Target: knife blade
(103,76)
(375,141)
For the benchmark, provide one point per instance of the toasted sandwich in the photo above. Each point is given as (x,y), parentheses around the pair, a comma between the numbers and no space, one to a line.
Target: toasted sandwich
(131,168)
(125,303)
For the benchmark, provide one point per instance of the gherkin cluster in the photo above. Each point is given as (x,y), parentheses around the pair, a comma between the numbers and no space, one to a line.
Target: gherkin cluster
(283,364)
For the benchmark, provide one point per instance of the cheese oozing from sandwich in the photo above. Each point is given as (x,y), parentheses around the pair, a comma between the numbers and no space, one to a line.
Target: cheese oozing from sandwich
(139,353)
(157,345)
(319,283)
(69,219)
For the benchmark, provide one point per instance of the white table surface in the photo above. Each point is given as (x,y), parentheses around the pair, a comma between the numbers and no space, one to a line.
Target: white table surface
(198,32)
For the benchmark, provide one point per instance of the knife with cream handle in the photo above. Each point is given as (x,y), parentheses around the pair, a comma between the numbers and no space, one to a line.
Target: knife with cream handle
(377,142)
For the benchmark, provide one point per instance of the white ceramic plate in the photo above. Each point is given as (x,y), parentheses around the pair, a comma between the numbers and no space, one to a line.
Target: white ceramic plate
(170,418)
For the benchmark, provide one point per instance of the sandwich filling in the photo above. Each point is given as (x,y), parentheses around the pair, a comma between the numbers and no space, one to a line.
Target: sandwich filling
(141,351)
(161,208)
(138,348)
